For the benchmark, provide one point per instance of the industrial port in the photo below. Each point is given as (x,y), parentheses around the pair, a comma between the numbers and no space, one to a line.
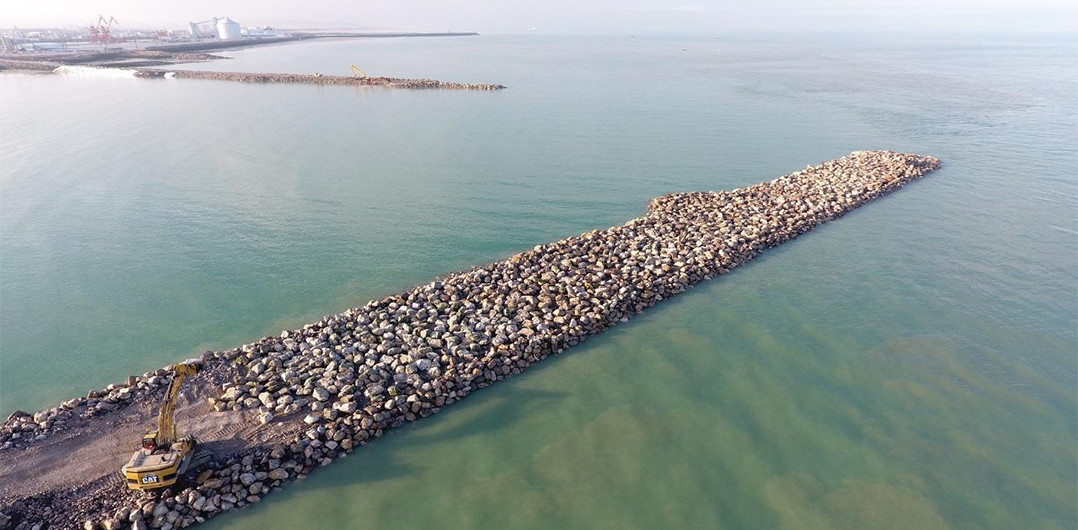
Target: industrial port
(142,53)
(107,34)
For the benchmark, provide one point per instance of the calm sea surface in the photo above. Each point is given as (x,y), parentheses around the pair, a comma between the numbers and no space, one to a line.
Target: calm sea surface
(912,365)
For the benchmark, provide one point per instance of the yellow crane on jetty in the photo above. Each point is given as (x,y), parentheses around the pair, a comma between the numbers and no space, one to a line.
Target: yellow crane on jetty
(360,74)
(163,458)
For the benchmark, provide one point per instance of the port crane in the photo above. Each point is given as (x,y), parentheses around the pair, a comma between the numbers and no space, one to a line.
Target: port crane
(99,32)
(163,457)
(193,26)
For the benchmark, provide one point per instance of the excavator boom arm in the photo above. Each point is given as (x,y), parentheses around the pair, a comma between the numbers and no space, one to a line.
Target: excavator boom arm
(166,426)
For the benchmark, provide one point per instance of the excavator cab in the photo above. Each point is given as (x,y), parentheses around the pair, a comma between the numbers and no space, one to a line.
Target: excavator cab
(149,441)
(163,457)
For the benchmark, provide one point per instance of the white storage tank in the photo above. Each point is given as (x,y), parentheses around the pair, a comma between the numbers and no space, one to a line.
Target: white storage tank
(228,29)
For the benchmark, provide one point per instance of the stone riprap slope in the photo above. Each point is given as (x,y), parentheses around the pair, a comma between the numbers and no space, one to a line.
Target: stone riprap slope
(317,79)
(349,377)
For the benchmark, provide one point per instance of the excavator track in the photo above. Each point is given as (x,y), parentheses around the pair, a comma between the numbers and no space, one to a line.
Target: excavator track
(200,459)
(229,431)
(115,480)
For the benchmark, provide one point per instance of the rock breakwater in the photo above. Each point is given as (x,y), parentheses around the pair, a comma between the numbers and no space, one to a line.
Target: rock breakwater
(38,66)
(348,378)
(317,79)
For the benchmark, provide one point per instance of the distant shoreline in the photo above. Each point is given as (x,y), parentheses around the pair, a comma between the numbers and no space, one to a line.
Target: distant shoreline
(166,54)
(152,62)
(221,45)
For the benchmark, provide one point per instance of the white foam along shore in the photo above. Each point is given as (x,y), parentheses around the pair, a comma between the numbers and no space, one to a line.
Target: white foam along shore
(94,71)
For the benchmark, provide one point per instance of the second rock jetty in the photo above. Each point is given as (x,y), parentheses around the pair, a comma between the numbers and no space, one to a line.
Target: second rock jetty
(302,399)
(315,79)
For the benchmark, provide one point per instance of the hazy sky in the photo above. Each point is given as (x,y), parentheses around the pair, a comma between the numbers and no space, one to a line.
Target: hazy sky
(563,16)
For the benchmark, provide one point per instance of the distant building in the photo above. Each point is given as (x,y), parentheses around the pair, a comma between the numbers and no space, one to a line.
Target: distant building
(228,29)
(264,31)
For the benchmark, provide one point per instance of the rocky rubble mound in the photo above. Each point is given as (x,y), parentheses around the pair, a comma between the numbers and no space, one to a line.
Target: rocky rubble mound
(317,79)
(23,428)
(349,377)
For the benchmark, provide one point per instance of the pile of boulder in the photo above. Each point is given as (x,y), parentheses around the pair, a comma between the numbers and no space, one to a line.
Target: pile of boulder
(350,377)
(315,79)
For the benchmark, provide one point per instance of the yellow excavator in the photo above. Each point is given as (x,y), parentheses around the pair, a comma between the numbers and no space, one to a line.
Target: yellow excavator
(163,458)
(359,74)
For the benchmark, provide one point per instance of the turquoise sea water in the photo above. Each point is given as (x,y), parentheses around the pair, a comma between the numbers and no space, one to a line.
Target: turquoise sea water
(912,365)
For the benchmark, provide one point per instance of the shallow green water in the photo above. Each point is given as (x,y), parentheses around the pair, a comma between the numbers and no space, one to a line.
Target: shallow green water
(912,365)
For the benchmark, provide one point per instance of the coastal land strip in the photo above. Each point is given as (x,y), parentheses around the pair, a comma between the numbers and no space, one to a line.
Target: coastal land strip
(315,79)
(276,409)
(152,61)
